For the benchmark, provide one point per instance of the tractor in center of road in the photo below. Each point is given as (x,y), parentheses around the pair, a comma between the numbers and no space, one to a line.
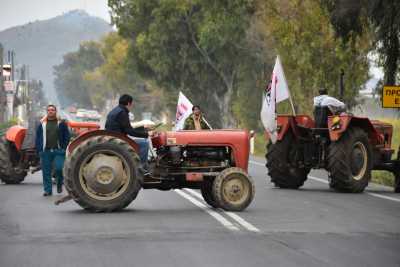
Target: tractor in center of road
(103,172)
(347,146)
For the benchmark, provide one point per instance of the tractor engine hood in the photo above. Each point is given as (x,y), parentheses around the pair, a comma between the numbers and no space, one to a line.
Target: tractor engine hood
(237,140)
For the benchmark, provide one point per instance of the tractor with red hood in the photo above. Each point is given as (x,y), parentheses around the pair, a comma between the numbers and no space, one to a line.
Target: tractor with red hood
(103,172)
(349,147)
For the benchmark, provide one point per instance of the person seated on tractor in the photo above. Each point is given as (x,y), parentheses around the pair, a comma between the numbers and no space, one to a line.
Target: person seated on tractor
(118,121)
(52,138)
(324,106)
(196,121)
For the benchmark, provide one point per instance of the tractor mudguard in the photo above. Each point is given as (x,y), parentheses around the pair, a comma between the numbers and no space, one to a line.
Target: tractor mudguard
(83,137)
(16,135)
(346,121)
(290,122)
(81,127)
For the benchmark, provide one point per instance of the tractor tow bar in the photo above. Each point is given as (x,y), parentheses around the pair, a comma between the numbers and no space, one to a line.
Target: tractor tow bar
(62,200)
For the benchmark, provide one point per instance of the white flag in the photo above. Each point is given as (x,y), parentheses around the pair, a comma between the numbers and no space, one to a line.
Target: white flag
(276,91)
(183,110)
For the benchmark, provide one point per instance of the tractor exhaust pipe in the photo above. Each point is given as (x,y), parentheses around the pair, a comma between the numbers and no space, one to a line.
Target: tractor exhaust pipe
(341,85)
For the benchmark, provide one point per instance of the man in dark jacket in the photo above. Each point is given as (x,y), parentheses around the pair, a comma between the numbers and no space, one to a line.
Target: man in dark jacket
(196,121)
(52,138)
(118,121)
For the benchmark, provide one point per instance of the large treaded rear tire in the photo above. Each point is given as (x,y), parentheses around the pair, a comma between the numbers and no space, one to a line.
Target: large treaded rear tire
(233,189)
(342,178)
(7,172)
(282,173)
(86,150)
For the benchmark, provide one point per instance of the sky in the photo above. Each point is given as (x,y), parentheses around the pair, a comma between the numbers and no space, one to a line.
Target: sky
(18,12)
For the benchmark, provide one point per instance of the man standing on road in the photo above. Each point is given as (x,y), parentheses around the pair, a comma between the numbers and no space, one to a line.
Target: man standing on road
(196,121)
(118,121)
(52,138)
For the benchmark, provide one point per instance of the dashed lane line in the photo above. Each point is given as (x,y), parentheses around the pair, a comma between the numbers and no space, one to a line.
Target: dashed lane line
(227,224)
(326,182)
(248,226)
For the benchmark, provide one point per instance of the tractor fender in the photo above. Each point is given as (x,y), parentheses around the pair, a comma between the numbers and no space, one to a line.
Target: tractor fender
(292,123)
(16,135)
(347,121)
(85,136)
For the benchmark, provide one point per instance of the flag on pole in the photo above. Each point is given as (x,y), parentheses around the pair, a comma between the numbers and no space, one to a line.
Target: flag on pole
(275,92)
(183,110)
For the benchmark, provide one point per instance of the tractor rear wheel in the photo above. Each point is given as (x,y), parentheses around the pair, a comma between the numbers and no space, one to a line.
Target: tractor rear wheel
(349,162)
(9,174)
(206,192)
(281,169)
(233,189)
(103,174)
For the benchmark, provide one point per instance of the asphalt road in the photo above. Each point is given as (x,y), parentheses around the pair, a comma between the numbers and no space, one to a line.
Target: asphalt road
(309,227)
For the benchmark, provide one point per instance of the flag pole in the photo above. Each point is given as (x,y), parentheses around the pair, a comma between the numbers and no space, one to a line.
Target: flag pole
(290,95)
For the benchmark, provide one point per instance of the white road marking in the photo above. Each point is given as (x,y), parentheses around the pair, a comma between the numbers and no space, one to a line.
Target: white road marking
(213,213)
(256,163)
(326,182)
(318,179)
(384,197)
(233,215)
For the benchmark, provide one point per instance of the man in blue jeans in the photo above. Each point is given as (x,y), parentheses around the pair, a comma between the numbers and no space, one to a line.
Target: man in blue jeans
(118,121)
(52,138)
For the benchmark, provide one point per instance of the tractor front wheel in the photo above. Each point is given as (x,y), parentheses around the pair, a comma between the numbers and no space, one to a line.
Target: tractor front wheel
(281,169)
(233,189)
(206,192)
(349,162)
(102,174)
(9,174)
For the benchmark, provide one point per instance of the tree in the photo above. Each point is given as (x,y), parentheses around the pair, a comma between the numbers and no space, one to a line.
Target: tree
(312,54)
(380,17)
(198,47)
(69,83)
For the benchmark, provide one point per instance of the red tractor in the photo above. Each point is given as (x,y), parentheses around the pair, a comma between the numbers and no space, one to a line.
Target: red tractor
(18,154)
(103,172)
(348,147)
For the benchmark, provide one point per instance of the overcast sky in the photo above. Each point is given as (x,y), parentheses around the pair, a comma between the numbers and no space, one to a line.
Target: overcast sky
(18,12)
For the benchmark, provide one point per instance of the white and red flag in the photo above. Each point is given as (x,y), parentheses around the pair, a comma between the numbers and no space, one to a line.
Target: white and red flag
(183,110)
(276,91)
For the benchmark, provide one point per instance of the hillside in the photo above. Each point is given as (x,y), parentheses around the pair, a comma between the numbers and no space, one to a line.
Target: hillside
(41,44)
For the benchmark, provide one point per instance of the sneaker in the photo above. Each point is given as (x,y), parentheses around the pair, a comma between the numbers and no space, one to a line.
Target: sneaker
(47,194)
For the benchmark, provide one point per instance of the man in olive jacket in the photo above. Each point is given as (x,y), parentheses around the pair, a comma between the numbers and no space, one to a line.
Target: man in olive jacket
(196,121)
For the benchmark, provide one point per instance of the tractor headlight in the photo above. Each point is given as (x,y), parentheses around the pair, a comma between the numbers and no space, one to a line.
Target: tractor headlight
(335,123)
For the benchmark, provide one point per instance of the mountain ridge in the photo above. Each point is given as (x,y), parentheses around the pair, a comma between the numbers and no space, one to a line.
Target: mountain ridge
(41,44)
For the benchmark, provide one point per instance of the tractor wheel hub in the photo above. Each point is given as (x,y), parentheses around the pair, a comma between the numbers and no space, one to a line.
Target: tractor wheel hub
(104,174)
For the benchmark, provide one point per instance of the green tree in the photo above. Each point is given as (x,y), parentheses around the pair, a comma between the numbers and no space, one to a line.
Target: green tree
(69,83)
(312,55)
(355,17)
(198,47)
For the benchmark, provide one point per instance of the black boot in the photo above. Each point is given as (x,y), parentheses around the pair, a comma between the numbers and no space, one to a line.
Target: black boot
(59,188)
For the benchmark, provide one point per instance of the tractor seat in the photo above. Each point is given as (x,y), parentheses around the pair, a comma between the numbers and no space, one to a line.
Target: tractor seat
(321,117)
